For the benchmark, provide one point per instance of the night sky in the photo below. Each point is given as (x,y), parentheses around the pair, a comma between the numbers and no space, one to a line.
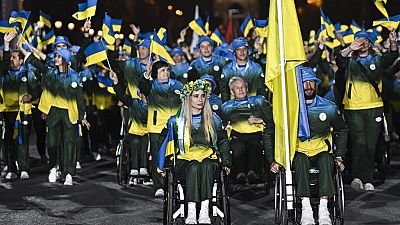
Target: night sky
(150,14)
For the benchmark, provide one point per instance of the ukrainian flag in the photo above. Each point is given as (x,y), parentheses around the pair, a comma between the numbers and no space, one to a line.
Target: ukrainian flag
(108,33)
(197,26)
(390,23)
(127,46)
(86,10)
(18,129)
(327,25)
(375,36)
(246,26)
(381,7)
(95,53)
(261,27)
(162,35)
(21,17)
(28,29)
(207,26)
(37,42)
(167,148)
(217,36)
(6,27)
(45,18)
(340,28)
(49,38)
(116,25)
(158,48)
(354,26)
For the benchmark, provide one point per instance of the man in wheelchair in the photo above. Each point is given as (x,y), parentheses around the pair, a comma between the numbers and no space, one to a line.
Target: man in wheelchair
(325,121)
(202,147)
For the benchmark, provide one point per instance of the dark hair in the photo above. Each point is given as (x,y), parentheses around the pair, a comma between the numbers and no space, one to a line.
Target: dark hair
(20,55)
(157,65)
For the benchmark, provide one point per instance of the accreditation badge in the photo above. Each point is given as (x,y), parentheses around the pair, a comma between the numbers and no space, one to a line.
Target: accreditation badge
(372,67)
(215,107)
(24,79)
(322,116)
(216,68)
(74,84)
(185,75)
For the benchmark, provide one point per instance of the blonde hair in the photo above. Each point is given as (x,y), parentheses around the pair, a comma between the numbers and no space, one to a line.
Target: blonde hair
(207,119)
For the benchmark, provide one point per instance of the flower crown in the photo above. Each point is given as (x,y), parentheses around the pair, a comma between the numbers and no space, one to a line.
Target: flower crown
(200,84)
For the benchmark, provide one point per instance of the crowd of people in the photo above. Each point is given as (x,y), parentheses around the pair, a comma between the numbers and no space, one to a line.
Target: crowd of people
(215,101)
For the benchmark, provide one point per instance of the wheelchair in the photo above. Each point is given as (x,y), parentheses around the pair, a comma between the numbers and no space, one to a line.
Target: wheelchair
(174,209)
(284,216)
(122,159)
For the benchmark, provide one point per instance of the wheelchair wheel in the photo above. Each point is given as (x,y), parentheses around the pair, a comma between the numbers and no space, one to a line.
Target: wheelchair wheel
(168,198)
(281,214)
(122,165)
(339,199)
(225,200)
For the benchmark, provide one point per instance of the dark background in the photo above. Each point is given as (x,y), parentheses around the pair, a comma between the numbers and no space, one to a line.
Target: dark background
(152,14)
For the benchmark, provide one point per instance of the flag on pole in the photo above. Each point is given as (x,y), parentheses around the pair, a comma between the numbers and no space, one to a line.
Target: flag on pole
(116,25)
(95,53)
(246,25)
(327,25)
(108,33)
(162,35)
(207,26)
(261,27)
(158,48)
(294,55)
(390,23)
(217,37)
(86,10)
(195,36)
(167,148)
(6,27)
(354,26)
(197,26)
(45,18)
(49,38)
(127,46)
(380,5)
(21,17)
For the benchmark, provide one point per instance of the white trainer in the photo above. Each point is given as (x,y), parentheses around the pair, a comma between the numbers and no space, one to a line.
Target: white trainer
(191,217)
(53,175)
(134,173)
(307,216)
(11,176)
(68,180)
(143,172)
(369,187)
(204,217)
(323,216)
(98,157)
(159,193)
(78,165)
(24,175)
(357,184)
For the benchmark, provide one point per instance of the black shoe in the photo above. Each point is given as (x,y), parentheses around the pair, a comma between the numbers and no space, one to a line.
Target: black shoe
(253,177)
(241,178)
(44,159)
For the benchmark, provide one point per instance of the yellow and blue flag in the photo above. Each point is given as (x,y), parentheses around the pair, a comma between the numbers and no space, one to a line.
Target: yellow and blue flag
(390,23)
(355,27)
(95,53)
(6,27)
(49,38)
(116,25)
(86,10)
(261,27)
(127,46)
(37,42)
(28,29)
(294,56)
(326,25)
(45,18)
(21,17)
(197,26)
(381,7)
(246,25)
(207,26)
(167,148)
(217,37)
(158,48)
(18,129)
(108,33)
(375,36)
(162,35)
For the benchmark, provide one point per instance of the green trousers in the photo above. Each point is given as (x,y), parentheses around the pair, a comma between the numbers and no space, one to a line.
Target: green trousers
(364,128)
(199,178)
(17,152)
(324,162)
(138,150)
(62,135)
(155,144)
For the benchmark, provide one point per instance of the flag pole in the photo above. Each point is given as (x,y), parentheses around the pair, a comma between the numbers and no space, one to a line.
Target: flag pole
(108,62)
(288,171)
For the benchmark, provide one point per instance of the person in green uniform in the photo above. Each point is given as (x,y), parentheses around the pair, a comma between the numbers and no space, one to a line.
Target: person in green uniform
(203,147)
(163,102)
(248,119)
(323,116)
(19,88)
(63,107)
(363,104)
